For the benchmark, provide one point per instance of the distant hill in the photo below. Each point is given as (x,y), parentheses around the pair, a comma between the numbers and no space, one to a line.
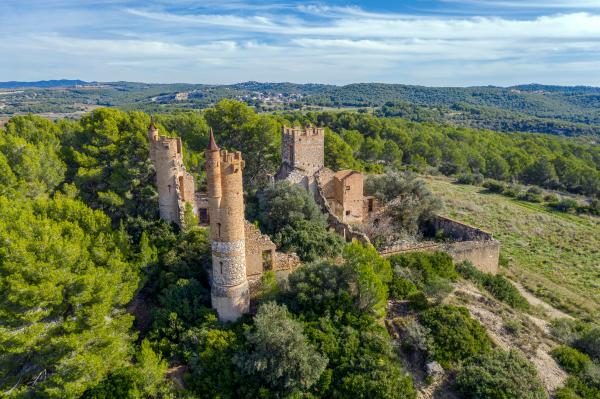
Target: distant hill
(41,84)
(536,108)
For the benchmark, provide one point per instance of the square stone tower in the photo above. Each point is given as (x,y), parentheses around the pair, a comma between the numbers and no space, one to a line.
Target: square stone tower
(303,149)
(230,294)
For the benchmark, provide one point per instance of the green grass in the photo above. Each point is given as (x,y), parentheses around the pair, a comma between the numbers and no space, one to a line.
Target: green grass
(554,255)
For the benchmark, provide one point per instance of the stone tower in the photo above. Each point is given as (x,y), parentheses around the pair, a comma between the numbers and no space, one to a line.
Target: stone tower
(175,185)
(303,149)
(229,290)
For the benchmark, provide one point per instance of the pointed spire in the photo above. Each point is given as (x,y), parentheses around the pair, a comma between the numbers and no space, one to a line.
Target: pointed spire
(212,145)
(152,125)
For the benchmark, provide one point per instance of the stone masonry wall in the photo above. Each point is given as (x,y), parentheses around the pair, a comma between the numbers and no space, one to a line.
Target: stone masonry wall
(303,148)
(468,244)
(335,223)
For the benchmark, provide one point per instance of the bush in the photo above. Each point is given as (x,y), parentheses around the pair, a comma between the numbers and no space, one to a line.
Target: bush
(425,267)
(497,285)
(513,327)
(589,343)
(400,287)
(571,360)
(551,197)
(513,190)
(309,239)
(566,205)
(455,335)
(418,300)
(494,186)
(567,331)
(409,201)
(576,388)
(503,290)
(475,179)
(534,194)
(499,375)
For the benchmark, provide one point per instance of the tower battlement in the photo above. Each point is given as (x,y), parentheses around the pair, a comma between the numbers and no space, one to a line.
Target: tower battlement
(175,185)
(297,132)
(303,149)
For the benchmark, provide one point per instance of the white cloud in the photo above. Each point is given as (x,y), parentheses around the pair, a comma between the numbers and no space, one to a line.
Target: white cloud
(540,4)
(309,42)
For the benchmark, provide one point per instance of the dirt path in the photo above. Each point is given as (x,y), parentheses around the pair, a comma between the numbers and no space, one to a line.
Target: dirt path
(551,311)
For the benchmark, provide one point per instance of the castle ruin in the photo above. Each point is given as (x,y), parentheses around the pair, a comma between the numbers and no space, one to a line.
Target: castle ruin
(240,252)
(303,163)
(340,195)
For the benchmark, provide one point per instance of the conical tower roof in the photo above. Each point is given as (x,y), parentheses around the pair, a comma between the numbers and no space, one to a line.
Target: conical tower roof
(212,144)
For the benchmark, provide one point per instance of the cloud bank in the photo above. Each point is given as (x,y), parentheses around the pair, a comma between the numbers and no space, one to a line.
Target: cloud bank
(159,41)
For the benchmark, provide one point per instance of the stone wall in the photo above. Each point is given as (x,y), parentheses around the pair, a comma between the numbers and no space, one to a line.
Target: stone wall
(458,230)
(348,188)
(466,243)
(256,245)
(336,224)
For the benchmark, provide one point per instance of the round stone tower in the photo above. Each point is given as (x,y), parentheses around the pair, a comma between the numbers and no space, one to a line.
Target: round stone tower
(229,290)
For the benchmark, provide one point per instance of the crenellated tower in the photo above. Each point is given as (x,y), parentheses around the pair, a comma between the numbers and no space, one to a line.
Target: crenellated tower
(175,185)
(229,290)
(303,148)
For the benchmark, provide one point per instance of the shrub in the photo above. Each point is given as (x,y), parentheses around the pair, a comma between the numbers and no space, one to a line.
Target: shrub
(475,179)
(309,239)
(499,375)
(455,335)
(418,300)
(497,285)
(570,359)
(409,200)
(438,289)
(551,197)
(400,287)
(589,343)
(567,331)
(503,290)
(576,388)
(494,186)
(513,327)
(534,194)
(513,190)
(426,267)
(566,205)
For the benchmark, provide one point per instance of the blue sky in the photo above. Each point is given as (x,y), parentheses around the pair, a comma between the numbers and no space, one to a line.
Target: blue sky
(428,42)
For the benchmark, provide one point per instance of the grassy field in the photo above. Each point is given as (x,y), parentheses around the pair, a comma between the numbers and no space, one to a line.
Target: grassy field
(554,255)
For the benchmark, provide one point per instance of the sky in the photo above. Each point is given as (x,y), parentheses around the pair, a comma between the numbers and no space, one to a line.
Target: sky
(424,42)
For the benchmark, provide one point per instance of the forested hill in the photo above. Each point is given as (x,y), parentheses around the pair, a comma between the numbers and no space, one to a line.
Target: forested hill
(559,110)
(41,83)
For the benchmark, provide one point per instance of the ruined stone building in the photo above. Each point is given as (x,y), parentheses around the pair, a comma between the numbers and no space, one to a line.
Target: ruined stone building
(340,195)
(175,185)
(303,163)
(240,252)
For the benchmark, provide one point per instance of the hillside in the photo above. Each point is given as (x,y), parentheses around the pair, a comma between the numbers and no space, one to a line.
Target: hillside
(570,111)
(554,255)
